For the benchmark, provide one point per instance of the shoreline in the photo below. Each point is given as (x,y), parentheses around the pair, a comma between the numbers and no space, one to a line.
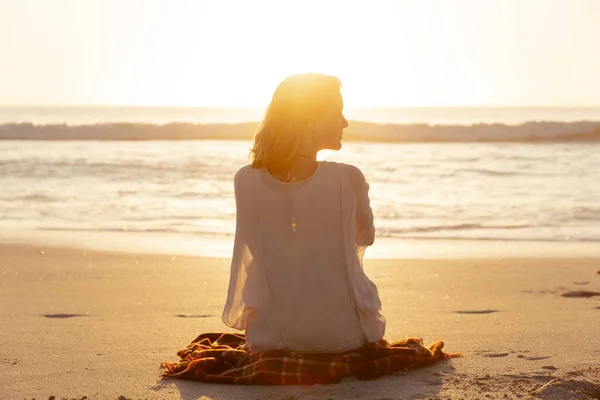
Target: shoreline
(98,324)
(220,246)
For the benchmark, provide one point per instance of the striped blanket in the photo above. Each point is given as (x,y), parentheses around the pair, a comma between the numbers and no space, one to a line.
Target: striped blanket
(224,358)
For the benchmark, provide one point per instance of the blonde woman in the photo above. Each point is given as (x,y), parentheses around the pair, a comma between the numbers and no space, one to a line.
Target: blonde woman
(297,281)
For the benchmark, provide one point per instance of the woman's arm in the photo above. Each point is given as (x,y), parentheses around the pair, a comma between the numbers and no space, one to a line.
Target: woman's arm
(233,312)
(364,231)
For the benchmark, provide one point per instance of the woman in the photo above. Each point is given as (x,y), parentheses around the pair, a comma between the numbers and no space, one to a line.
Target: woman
(297,281)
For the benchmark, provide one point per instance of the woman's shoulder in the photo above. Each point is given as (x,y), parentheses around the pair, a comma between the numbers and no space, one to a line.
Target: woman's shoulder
(245,171)
(352,171)
(245,176)
(248,173)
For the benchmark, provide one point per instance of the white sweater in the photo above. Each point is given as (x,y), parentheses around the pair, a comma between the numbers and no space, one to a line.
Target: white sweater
(303,290)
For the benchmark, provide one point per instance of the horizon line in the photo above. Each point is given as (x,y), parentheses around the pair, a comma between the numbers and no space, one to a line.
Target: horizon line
(264,107)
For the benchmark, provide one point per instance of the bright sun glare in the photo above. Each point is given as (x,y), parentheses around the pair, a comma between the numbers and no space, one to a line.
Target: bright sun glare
(256,44)
(235,52)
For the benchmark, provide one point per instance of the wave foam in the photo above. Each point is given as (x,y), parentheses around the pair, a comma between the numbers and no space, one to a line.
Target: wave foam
(534,131)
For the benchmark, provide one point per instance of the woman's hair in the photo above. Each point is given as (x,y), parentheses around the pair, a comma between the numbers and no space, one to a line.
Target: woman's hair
(297,101)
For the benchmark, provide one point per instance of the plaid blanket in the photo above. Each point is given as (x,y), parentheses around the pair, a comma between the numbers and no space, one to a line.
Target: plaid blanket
(224,358)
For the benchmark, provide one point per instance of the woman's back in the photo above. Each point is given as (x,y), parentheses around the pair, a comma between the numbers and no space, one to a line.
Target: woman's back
(297,280)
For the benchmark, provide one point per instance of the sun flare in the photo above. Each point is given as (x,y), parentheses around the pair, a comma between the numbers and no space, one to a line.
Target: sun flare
(234,52)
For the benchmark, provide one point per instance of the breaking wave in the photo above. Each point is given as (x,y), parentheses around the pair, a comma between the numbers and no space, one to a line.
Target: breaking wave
(534,131)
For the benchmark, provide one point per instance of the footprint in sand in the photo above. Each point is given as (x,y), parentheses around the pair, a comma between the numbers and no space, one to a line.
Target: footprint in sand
(64,315)
(580,293)
(194,315)
(562,388)
(475,311)
(496,355)
(546,291)
(534,358)
(581,283)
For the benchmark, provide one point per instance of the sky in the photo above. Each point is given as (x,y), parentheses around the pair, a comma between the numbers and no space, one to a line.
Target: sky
(234,53)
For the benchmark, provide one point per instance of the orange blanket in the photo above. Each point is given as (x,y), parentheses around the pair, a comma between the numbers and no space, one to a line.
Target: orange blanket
(223,358)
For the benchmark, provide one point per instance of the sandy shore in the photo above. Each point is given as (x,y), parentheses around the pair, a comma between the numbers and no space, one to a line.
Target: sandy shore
(79,323)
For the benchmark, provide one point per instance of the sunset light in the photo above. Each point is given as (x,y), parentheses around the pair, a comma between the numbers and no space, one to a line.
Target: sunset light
(366,199)
(233,53)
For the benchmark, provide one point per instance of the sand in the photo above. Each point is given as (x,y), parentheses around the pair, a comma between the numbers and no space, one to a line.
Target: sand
(78,323)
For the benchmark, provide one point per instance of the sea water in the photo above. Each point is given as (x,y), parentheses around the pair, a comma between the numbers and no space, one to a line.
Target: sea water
(473,192)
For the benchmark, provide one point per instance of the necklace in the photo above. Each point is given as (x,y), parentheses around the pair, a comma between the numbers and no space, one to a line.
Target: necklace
(291,193)
(293,182)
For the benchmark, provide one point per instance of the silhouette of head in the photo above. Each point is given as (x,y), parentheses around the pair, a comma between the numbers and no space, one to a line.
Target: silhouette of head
(304,116)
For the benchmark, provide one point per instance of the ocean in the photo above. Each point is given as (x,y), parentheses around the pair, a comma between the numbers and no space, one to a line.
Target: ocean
(474,191)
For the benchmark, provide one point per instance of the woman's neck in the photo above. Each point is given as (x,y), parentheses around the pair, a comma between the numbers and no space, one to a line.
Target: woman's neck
(303,167)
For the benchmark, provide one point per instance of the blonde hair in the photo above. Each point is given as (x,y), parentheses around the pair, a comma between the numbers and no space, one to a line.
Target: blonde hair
(296,102)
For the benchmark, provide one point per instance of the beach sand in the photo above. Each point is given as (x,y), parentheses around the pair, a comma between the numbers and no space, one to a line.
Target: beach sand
(78,323)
